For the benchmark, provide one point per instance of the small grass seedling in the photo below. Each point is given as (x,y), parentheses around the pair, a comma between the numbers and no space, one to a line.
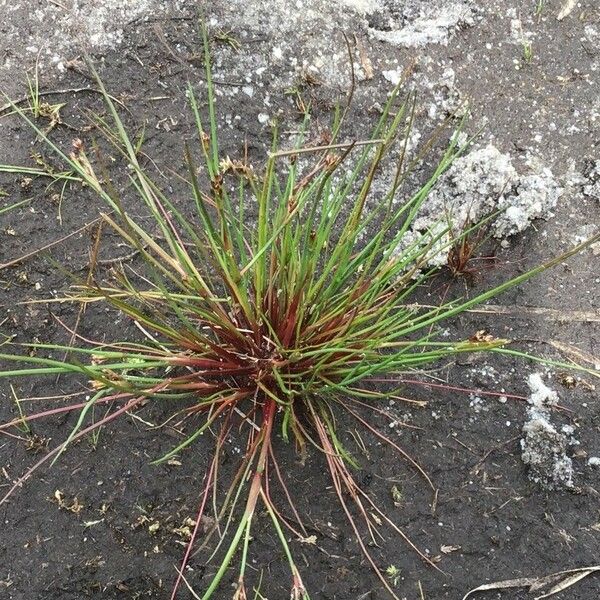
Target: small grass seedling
(393,574)
(39,108)
(527,51)
(227,38)
(540,6)
(461,254)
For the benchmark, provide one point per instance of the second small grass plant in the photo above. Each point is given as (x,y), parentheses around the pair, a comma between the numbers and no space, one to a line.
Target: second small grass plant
(267,328)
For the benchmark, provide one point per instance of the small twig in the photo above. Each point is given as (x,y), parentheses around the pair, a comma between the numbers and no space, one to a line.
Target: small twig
(163,41)
(189,58)
(187,585)
(104,262)
(478,464)
(464,445)
(16,261)
(435,502)
(497,508)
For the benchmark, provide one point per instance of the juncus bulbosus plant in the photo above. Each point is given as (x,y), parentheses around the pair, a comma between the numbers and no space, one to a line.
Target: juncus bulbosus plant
(264,327)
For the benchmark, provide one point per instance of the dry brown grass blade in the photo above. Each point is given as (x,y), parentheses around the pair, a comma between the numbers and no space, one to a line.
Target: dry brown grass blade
(89,280)
(8,105)
(567,9)
(339,146)
(586,316)
(501,585)
(187,585)
(575,354)
(537,583)
(569,581)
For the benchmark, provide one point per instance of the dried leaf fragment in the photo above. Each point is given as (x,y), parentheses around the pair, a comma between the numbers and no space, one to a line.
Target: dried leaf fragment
(567,9)
(448,549)
(537,583)
(311,540)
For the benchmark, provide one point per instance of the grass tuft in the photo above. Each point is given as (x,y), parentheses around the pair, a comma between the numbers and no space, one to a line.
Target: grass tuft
(264,327)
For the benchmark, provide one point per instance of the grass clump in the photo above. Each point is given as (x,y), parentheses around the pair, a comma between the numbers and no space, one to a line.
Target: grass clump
(263,327)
